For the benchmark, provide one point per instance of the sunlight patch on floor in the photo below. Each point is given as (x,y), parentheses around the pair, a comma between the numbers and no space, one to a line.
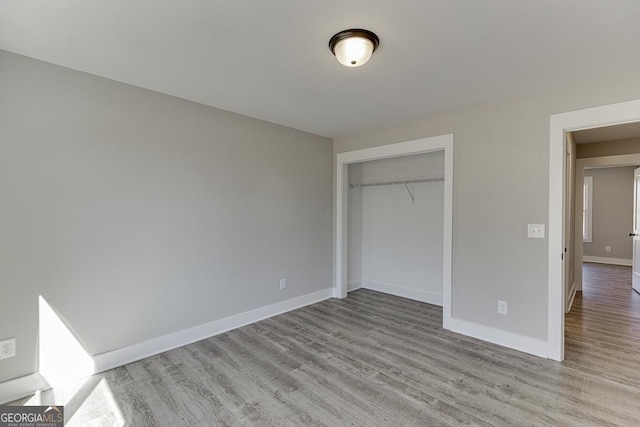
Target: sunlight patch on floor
(99,408)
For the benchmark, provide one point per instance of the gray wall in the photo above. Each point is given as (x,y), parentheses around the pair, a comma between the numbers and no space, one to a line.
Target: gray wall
(500,184)
(612,212)
(136,214)
(354,227)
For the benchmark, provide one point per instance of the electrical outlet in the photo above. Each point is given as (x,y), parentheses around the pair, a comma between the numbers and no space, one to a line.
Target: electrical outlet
(283,284)
(503,307)
(7,348)
(607,248)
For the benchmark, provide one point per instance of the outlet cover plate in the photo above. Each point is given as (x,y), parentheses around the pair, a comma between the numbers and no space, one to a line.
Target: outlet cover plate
(503,307)
(7,348)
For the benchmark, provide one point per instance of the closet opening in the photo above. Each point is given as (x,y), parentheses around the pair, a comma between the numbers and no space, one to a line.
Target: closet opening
(394,221)
(395,226)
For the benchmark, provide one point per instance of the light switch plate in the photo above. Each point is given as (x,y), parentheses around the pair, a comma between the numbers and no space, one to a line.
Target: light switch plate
(535,231)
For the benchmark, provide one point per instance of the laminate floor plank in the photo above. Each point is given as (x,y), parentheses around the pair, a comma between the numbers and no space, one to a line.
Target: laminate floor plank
(344,366)
(375,359)
(389,359)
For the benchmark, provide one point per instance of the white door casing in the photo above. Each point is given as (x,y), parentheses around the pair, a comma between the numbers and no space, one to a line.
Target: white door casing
(635,281)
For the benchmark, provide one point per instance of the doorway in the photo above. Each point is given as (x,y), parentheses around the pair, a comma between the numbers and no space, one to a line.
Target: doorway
(592,118)
(420,146)
(606,252)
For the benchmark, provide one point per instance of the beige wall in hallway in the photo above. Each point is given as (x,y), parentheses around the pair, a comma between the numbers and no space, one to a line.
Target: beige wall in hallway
(570,224)
(612,212)
(608,148)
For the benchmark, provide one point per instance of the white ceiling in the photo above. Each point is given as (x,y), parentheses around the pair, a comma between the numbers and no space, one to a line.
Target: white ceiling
(270,60)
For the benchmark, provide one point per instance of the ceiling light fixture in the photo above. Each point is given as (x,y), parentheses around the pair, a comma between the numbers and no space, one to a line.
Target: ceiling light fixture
(354,47)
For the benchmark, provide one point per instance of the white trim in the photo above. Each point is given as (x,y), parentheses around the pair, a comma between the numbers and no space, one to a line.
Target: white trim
(401,291)
(354,285)
(607,260)
(20,387)
(572,296)
(500,337)
(588,186)
(624,112)
(15,389)
(619,160)
(425,145)
(122,356)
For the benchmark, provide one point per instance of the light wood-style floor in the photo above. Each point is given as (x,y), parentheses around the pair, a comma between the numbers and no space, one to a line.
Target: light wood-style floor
(373,359)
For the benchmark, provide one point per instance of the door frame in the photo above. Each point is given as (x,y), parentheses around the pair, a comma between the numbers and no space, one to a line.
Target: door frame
(589,118)
(635,233)
(418,146)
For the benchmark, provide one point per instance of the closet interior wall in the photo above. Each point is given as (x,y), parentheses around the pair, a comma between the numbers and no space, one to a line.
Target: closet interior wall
(395,230)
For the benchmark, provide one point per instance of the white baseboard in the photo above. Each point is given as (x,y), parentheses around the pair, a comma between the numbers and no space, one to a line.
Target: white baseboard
(500,337)
(572,296)
(20,387)
(485,333)
(606,260)
(414,294)
(354,284)
(122,356)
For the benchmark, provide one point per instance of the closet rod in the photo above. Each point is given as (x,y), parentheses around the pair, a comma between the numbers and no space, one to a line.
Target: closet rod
(409,181)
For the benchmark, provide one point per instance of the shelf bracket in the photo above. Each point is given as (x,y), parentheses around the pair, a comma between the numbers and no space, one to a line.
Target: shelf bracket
(411,194)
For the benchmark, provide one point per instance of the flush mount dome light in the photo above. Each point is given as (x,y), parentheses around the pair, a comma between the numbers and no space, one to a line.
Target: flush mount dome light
(354,47)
